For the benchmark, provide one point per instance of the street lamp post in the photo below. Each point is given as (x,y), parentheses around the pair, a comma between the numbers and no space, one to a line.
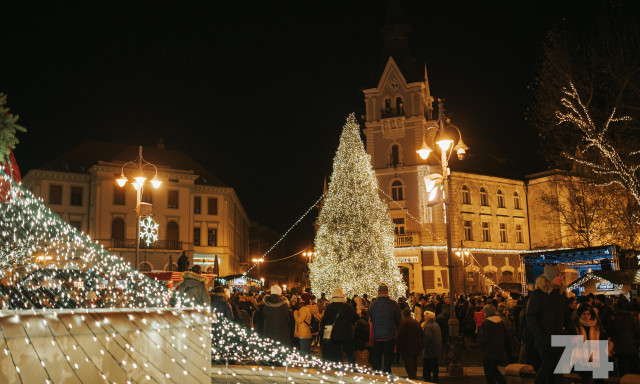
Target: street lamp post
(139,163)
(446,148)
(258,261)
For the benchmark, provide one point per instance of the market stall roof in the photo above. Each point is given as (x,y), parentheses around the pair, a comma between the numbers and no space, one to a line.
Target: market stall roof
(627,277)
(569,256)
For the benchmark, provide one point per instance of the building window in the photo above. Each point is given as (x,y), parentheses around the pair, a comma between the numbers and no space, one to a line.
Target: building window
(77,224)
(516,201)
(145,267)
(172,235)
(197,204)
(500,199)
(470,275)
(394,156)
(519,237)
(503,232)
(196,236)
(146,196)
(118,196)
(486,235)
(55,194)
(212,206)
(507,276)
(173,199)
(399,225)
(466,195)
(468,234)
(484,197)
(76,196)
(212,237)
(397,192)
(117,232)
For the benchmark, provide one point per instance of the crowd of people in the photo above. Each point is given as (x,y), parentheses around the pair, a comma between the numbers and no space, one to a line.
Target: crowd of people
(377,331)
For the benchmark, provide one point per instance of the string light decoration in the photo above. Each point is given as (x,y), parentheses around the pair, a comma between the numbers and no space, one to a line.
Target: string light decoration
(149,230)
(354,243)
(612,166)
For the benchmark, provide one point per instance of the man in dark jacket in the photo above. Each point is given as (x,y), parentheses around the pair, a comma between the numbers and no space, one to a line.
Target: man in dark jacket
(625,338)
(493,344)
(409,339)
(385,318)
(341,316)
(183,262)
(432,345)
(547,314)
(220,304)
(277,317)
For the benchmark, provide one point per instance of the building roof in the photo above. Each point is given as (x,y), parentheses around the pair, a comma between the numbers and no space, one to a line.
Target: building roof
(627,277)
(89,153)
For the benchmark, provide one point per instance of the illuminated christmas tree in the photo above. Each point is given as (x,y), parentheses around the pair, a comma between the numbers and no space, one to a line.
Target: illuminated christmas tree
(354,243)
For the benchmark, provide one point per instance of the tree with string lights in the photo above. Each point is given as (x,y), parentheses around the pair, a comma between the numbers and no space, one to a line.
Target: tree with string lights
(354,242)
(587,99)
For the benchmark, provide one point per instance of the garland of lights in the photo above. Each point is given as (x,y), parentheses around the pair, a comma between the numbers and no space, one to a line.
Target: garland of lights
(29,228)
(149,230)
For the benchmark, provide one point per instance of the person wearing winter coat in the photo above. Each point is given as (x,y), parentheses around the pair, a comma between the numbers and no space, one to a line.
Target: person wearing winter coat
(431,346)
(493,343)
(361,334)
(547,314)
(341,316)
(220,304)
(478,316)
(589,326)
(303,318)
(443,319)
(277,319)
(408,341)
(194,286)
(625,338)
(385,317)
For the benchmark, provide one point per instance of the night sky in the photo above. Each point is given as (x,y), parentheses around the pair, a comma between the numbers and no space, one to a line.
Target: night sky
(257,92)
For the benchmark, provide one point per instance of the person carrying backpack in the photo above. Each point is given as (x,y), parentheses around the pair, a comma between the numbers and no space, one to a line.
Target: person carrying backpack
(306,323)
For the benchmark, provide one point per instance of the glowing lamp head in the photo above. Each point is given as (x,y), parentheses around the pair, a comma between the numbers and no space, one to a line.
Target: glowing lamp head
(140,179)
(444,144)
(424,151)
(122,180)
(461,149)
(156,182)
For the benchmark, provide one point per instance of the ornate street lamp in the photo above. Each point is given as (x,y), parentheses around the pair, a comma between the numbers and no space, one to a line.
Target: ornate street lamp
(139,163)
(432,183)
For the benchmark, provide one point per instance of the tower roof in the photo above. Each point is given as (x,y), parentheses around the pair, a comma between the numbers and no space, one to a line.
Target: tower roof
(396,45)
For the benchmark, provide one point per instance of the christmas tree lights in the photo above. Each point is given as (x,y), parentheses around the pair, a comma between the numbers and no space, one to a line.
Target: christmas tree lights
(354,243)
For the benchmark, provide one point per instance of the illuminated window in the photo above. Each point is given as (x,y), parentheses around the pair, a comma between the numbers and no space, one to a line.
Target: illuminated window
(212,237)
(484,197)
(468,234)
(503,232)
(55,194)
(466,195)
(397,193)
(486,234)
(500,199)
(516,200)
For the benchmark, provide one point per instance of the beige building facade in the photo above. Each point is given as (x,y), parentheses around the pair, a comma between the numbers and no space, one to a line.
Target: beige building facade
(196,212)
(493,219)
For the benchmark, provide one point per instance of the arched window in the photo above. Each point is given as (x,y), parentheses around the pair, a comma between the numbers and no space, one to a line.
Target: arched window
(399,107)
(394,156)
(397,191)
(466,195)
(516,200)
(484,198)
(145,267)
(117,232)
(172,267)
(172,235)
(209,269)
(500,199)
(507,276)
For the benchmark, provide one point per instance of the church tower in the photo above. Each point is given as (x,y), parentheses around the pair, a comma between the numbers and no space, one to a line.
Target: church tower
(399,113)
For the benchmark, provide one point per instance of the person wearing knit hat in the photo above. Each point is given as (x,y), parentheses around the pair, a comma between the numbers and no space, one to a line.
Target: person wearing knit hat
(304,317)
(489,310)
(385,317)
(337,327)
(276,317)
(276,290)
(431,347)
(548,314)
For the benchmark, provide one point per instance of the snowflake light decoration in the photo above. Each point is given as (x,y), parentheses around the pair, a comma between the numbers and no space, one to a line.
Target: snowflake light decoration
(149,230)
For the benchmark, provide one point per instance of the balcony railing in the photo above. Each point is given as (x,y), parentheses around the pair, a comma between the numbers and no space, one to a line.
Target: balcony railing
(131,243)
(406,240)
